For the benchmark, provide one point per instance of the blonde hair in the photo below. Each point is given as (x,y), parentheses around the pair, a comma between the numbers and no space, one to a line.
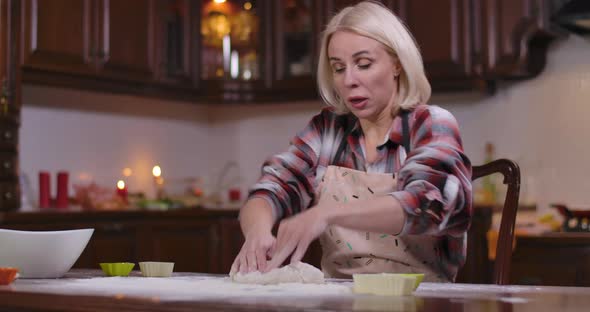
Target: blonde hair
(373,20)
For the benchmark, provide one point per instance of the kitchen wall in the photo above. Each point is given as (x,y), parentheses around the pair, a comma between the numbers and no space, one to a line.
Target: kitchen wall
(94,136)
(540,123)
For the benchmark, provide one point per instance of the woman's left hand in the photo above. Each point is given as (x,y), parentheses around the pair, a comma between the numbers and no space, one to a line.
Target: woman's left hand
(295,234)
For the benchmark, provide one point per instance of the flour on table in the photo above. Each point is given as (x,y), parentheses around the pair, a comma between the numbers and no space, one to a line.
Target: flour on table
(299,272)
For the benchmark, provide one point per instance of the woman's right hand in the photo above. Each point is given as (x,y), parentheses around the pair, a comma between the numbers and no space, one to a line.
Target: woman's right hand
(253,255)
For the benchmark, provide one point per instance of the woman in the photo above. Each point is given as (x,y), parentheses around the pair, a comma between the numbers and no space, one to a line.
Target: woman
(379,176)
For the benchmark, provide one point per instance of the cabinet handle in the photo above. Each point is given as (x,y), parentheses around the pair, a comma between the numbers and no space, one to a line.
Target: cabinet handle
(7,164)
(7,134)
(215,238)
(4,97)
(102,56)
(8,195)
(116,227)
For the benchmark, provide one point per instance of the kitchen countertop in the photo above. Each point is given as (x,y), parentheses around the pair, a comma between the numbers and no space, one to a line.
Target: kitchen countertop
(89,290)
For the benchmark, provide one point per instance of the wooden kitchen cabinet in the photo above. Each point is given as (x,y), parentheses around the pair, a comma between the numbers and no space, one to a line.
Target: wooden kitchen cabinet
(192,245)
(297,26)
(444,34)
(10,104)
(126,39)
(263,50)
(58,36)
(514,36)
(231,242)
(93,38)
(176,43)
(196,240)
(556,259)
(111,242)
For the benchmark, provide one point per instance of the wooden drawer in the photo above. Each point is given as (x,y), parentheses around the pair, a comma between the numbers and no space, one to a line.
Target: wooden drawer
(8,137)
(9,196)
(8,166)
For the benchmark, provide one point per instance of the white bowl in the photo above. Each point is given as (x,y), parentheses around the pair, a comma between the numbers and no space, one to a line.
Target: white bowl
(42,254)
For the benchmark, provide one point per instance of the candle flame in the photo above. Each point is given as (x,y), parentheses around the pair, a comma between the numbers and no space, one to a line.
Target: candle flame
(219,1)
(120,184)
(157,171)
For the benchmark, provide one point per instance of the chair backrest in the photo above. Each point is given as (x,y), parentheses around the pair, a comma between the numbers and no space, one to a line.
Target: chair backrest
(511,172)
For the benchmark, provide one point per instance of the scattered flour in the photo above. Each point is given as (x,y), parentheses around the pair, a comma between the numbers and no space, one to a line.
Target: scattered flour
(180,288)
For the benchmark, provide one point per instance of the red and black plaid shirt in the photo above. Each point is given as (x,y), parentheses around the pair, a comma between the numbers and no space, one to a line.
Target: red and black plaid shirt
(434,179)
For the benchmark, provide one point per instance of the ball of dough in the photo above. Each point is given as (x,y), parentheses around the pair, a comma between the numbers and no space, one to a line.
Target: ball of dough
(299,272)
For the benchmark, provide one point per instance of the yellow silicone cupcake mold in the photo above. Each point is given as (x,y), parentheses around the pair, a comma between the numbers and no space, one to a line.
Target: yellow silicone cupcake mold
(117,268)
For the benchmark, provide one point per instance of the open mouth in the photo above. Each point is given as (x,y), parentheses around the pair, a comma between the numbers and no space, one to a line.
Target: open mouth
(357,102)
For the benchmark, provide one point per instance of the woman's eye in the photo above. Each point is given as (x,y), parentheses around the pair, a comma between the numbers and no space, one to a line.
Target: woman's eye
(363,65)
(338,69)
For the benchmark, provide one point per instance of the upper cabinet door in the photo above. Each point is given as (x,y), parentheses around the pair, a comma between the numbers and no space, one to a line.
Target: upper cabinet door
(10,95)
(176,35)
(232,40)
(297,35)
(126,39)
(515,36)
(58,35)
(443,33)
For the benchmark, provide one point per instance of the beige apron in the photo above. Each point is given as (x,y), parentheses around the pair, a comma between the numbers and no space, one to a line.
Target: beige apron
(346,251)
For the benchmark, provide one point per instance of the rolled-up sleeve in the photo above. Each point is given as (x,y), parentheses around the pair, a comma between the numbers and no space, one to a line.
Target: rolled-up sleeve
(434,186)
(287,179)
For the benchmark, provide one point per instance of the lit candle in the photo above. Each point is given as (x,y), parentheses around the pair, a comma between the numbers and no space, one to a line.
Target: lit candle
(157,173)
(122,190)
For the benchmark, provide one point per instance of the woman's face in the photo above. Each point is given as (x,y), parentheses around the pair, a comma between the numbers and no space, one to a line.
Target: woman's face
(364,74)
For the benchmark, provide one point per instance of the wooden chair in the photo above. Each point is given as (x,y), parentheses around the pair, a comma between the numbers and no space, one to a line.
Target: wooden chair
(501,272)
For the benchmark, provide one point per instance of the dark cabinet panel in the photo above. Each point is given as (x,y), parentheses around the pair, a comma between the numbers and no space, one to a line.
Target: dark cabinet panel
(115,242)
(515,35)
(58,35)
(297,29)
(8,135)
(195,240)
(558,259)
(10,103)
(126,39)
(263,50)
(110,39)
(176,38)
(231,243)
(442,31)
(193,247)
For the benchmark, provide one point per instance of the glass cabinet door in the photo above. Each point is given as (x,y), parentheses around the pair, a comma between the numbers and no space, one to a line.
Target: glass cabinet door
(296,47)
(173,32)
(230,40)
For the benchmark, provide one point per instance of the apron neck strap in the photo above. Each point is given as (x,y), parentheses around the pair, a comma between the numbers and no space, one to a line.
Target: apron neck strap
(405,131)
(342,145)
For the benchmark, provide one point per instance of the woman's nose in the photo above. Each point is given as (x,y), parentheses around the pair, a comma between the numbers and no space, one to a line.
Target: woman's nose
(350,78)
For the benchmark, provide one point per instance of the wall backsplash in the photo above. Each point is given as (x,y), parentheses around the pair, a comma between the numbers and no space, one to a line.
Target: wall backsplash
(540,123)
(106,133)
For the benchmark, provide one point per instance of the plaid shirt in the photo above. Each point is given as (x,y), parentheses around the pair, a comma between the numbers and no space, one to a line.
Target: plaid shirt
(434,179)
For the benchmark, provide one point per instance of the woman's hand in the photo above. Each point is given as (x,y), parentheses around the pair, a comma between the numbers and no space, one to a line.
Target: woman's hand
(295,234)
(254,252)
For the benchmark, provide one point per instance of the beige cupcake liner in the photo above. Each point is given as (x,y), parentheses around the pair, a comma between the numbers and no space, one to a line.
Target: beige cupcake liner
(156,269)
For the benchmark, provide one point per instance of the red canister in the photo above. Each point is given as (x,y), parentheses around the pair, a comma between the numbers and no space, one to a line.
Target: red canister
(62,190)
(44,190)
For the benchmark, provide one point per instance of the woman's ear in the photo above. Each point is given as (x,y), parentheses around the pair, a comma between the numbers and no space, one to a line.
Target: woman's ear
(397,67)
